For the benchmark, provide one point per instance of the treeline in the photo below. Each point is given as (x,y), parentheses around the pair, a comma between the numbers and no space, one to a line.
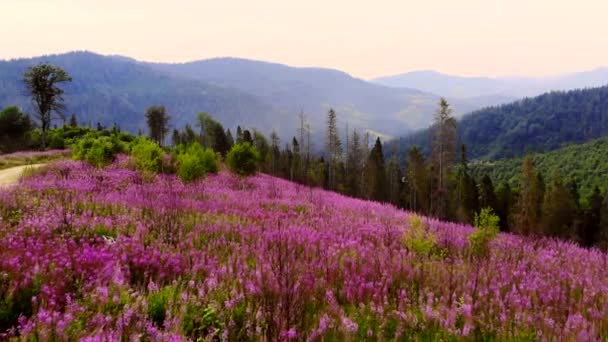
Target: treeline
(539,124)
(440,185)
(443,184)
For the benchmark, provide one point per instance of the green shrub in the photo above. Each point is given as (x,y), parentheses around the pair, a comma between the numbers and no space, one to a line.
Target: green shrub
(419,239)
(56,141)
(242,159)
(195,162)
(158,302)
(98,151)
(147,154)
(486,229)
(16,304)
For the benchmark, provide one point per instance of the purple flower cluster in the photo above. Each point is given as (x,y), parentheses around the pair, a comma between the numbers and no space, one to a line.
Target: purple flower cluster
(105,254)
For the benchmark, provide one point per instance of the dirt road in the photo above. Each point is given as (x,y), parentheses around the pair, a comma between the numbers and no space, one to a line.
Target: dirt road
(11,176)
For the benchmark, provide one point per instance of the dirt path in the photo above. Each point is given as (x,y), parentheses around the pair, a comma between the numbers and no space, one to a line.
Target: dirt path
(11,176)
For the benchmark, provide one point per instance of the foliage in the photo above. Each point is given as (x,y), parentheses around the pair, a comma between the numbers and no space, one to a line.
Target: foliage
(418,238)
(587,163)
(157,119)
(194,162)
(147,154)
(539,124)
(486,229)
(15,129)
(42,82)
(98,151)
(254,263)
(242,159)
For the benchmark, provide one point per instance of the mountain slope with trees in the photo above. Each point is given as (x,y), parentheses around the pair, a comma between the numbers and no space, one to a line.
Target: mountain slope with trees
(587,164)
(538,124)
(315,90)
(117,90)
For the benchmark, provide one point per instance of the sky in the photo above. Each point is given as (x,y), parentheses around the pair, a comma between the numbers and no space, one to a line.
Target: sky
(362,37)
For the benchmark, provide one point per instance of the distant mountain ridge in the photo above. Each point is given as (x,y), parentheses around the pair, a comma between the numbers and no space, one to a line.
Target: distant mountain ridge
(257,94)
(118,90)
(514,87)
(539,124)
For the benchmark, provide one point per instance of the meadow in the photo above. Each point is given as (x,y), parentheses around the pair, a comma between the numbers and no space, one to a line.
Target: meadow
(108,254)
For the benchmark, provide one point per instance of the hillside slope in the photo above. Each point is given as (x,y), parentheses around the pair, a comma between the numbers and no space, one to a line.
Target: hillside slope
(114,89)
(264,259)
(538,124)
(314,90)
(587,164)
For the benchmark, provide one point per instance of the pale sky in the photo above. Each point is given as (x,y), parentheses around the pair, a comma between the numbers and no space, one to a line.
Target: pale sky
(364,38)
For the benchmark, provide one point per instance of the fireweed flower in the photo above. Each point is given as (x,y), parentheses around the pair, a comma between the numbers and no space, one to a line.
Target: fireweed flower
(105,254)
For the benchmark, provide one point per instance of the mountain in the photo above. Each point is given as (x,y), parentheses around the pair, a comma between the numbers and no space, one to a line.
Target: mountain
(267,96)
(315,90)
(442,84)
(586,163)
(500,88)
(538,124)
(118,90)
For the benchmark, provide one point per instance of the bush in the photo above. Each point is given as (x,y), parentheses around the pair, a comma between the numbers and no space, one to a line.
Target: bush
(419,239)
(486,229)
(56,142)
(147,154)
(98,151)
(242,159)
(195,162)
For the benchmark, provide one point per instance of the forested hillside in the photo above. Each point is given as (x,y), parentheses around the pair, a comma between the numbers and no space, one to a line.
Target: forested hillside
(117,90)
(538,124)
(587,164)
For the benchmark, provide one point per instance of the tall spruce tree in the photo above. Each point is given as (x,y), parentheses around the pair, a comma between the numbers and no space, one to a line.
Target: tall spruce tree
(487,195)
(504,196)
(375,172)
(443,149)
(558,209)
(333,149)
(466,194)
(530,197)
(418,179)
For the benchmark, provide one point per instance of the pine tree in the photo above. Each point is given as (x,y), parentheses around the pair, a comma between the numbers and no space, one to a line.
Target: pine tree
(176,138)
(487,195)
(559,209)
(158,123)
(603,228)
(73,121)
(333,148)
(247,138)
(295,166)
(239,135)
(275,153)
(466,194)
(229,139)
(418,179)
(188,136)
(592,217)
(504,195)
(375,172)
(354,160)
(393,177)
(530,196)
(444,146)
